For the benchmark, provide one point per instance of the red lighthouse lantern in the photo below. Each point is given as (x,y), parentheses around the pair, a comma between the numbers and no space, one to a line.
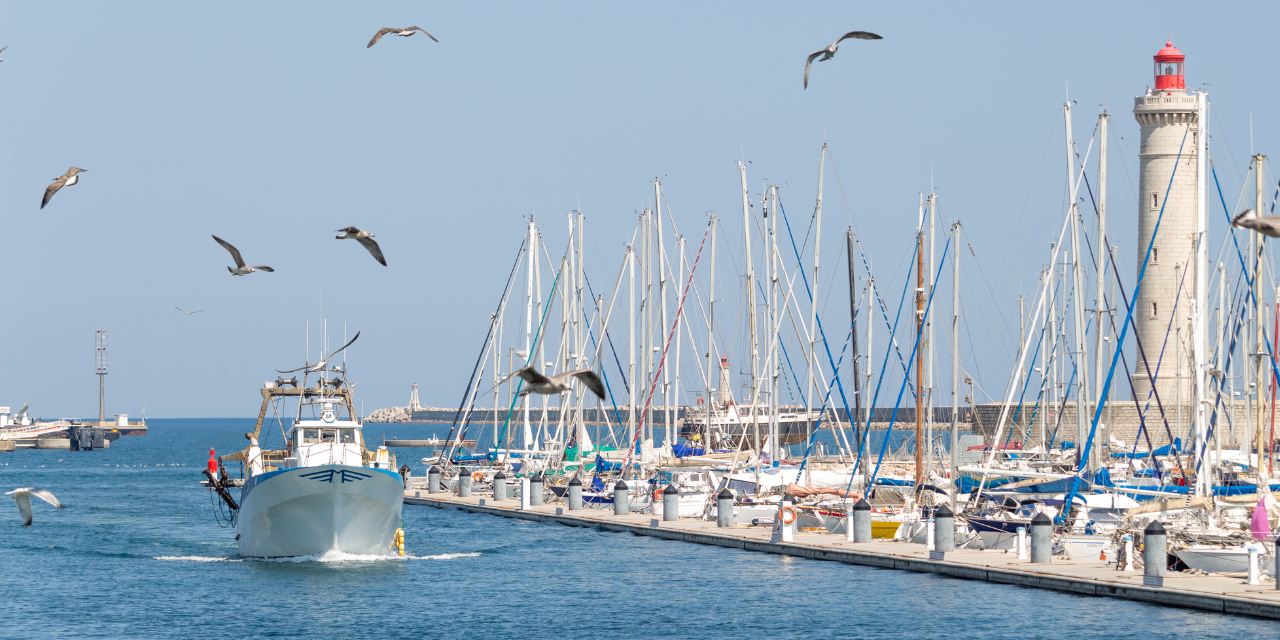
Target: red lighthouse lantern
(1169,68)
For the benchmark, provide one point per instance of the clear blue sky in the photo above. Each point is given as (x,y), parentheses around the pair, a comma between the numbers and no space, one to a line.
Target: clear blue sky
(271,125)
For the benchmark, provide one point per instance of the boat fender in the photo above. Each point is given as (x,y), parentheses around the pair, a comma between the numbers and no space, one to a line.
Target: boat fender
(788,515)
(477,477)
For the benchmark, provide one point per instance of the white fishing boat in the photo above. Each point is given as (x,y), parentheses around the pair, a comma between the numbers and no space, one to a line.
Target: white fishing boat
(1212,558)
(325,491)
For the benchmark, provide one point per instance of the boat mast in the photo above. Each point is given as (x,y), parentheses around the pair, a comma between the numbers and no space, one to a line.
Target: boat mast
(542,354)
(933,211)
(711,334)
(775,370)
(1259,345)
(631,349)
(528,323)
(866,418)
(955,362)
(919,469)
(645,316)
(1077,285)
(813,302)
(662,305)
(751,303)
(853,334)
(1199,330)
(672,433)
(1099,301)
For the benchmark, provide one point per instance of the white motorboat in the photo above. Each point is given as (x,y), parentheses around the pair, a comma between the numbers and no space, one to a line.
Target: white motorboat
(1223,559)
(326,491)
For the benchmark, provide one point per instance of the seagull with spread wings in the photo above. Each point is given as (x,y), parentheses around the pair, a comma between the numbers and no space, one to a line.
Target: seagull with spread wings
(366,240)
(65,180)
(188,312)
(1268,226)
(537,383)
(240,269)
(397,32)
(830,51)
(320,365)
(22,499)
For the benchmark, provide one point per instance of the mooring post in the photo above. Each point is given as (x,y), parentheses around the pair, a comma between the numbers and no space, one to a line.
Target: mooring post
(575,494)
(1155,554)
(724,508)
(1041,539)
(535,490)
(848,523)
(524,493)
(862,521)
(670,503)
(464,483)
(944,529)
(499,487)
(620,495)
(1128,553)
(1022,544)
(1254,577)
(433,480)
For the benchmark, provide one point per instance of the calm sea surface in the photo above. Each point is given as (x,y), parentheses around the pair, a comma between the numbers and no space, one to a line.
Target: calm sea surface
(137,553)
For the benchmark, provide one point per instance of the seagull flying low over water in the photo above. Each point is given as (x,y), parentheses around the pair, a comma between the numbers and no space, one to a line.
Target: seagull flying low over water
(1268,226)
(830,51)
(364,238)
(22,498)
(538,383)
(240,269)
(188,312)
(65,180)
(397,32)
(320,365)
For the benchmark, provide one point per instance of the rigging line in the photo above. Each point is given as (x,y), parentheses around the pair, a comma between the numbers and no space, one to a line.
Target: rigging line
(663,360)
(884,310)
(822,413)
(537,336)
(1238,322)
(915,347)
(485,346)
(1141,349)
(1124,332)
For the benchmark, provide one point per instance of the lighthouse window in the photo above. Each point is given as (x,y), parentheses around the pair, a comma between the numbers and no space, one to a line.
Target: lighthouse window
(1153,311)
(1155,201)
(1155,255)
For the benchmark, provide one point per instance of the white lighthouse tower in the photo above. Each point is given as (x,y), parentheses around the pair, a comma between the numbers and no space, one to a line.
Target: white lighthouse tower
(1170,193)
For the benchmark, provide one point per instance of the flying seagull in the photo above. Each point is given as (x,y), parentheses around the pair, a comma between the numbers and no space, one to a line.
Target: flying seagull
(364,238)
(1268,226)
(240,269)
(538,383)
(830,51)
(22,498)
(399,32)
(320,365)
(65,180)
(2,51)
(188,312)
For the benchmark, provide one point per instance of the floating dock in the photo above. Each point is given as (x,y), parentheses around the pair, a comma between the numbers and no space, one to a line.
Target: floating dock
(1210,593)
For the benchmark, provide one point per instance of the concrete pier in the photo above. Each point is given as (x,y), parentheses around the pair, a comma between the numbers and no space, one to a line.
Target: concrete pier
(1209,593)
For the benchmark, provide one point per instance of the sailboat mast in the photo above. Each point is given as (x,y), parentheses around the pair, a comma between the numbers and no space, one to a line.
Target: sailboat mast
(662,305)
(1259,344)
(1077,285)
(775,316)
(528,323)
(853,334)
(631,348)
(751,300)
(675,392)
(813,298)
(1099,303)
(1199,330)
(955,364)
(711,334)
(928,345)
(919,469)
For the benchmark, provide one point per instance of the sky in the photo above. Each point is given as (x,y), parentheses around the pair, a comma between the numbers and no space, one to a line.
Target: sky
(271,125)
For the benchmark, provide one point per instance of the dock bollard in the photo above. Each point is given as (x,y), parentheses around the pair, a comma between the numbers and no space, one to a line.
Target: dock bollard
(929,533)
(1041,539)
(433,480)
(788,529)
(1276,573)
(1254,578)
(724,508)
(620,498)
(1022,544)
(575,494)
(944,529)
(464,483)
(862,521)
(1155,554)
(848,523)
(524,493)
(1128,553)
(499,487)
(535,490)
(670,503)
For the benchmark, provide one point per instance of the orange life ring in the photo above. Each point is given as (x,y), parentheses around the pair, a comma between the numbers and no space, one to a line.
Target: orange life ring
(477,477)
(657,494)
(788,515)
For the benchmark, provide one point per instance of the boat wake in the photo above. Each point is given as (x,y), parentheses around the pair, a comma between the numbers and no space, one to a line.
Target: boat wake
(197,559)
(328,557)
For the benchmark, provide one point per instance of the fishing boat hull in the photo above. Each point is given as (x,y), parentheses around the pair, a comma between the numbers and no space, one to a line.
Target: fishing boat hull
(1213,559)
(313,510)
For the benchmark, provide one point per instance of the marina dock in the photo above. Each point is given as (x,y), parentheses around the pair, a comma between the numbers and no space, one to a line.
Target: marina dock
(1210,593)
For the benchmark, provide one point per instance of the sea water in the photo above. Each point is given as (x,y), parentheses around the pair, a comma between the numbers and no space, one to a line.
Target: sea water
(137,553)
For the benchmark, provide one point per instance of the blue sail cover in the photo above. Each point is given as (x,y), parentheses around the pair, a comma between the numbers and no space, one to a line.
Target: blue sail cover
(684,451)
(1162,451)
(604,465)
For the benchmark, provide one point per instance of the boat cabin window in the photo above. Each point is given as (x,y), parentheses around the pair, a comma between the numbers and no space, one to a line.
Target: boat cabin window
(347,436)
(310,436)
(328,436)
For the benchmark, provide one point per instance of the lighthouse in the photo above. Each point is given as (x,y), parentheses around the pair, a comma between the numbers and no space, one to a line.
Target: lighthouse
(1171,208)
